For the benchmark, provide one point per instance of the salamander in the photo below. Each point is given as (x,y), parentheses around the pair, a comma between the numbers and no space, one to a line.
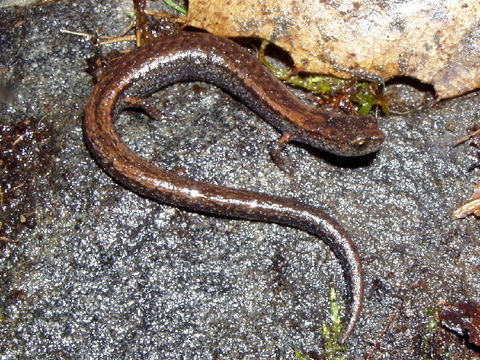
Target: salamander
(224,63)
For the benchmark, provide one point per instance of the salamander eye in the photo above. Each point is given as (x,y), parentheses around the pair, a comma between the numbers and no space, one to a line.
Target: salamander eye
(360,142)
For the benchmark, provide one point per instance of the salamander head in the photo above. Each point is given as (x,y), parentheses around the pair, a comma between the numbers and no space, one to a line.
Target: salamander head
(344,135)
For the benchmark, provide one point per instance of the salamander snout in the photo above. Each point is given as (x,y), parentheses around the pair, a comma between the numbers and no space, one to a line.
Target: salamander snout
(360,135)
(341,134)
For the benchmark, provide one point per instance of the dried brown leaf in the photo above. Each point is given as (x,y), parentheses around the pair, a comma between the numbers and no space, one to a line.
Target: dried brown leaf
(435,41)
(464,320)
(472,206)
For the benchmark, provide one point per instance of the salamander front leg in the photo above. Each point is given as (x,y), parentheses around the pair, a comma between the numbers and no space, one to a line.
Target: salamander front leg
(277,157)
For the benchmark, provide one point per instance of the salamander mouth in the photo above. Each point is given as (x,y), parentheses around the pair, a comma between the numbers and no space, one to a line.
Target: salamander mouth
(347,135)
(343,146)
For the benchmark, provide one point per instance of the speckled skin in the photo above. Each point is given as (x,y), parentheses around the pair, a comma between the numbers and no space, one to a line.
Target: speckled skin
(203,57)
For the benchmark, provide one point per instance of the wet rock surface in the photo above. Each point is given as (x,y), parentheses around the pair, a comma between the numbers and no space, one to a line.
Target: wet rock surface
(91,269)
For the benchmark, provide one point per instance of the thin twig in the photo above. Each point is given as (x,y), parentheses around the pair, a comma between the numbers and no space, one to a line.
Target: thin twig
(389,322)
(466,137)
(77,33)
(114,39)
(7,240)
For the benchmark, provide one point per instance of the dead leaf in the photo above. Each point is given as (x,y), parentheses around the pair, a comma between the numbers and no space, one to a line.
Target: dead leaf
(464,320)
(472,206)
(435,41)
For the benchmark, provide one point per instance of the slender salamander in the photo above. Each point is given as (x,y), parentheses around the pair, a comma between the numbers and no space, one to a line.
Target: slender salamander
(204,57)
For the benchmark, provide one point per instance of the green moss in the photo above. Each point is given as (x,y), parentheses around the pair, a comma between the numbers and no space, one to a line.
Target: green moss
(175,6)
(366,99)
(430,347)
(330,333)
(362,95)
(299,355)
